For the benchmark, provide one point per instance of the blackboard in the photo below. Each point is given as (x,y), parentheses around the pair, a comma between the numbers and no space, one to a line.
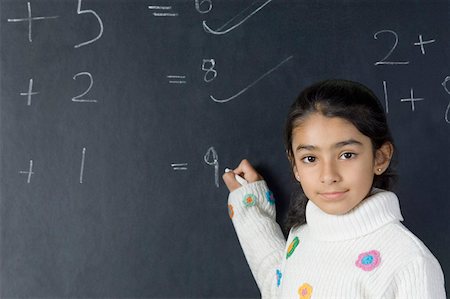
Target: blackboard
(118,118)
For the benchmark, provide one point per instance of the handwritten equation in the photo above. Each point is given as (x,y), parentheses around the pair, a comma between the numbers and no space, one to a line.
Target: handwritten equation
(30,19)
(211,73)
(159,11)
(423,44)
(208,66)
(28,173)
(80,98)
(211,158)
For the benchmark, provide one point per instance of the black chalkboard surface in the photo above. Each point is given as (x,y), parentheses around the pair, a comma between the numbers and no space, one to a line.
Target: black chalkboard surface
(118,118)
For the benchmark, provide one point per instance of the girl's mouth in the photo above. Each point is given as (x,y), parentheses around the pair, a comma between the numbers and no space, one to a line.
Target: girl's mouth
(333,195)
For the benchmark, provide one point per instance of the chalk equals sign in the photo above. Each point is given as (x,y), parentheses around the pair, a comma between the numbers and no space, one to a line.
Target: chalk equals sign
(162,11)
(176,79)
(179,166)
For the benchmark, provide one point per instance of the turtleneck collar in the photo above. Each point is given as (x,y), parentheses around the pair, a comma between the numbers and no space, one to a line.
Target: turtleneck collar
(375,211)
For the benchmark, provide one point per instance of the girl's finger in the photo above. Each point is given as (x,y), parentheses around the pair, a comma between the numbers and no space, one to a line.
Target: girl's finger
(246,170)
(230,181)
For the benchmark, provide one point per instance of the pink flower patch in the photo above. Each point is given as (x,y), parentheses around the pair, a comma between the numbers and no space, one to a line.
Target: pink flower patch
(368,260)
(305,291)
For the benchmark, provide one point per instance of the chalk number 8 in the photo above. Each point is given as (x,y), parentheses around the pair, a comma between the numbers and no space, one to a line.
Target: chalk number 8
(211,73)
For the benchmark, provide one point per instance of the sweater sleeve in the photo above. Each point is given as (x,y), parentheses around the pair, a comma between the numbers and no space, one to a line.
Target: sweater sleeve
(252,210)
(420,278)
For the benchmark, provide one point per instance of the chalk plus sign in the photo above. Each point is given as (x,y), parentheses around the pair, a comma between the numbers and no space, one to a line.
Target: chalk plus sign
(29,93)
(30,20)
(422,42)
(412,99)
(29,173)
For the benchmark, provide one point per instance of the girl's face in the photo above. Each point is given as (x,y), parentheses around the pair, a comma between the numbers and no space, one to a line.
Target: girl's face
(335,163)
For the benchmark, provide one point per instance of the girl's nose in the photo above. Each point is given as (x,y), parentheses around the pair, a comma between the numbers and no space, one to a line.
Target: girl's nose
(330,174)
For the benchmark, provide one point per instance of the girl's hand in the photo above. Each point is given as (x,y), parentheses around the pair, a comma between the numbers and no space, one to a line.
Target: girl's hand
(245,170)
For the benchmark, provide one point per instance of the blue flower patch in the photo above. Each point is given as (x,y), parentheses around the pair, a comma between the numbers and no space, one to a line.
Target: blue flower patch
(279,275)
(249,200)
(270,198)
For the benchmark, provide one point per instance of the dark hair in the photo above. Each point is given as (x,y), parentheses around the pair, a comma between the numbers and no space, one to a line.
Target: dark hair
(351,101)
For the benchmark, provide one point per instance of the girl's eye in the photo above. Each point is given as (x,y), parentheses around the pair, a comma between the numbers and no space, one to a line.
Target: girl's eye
(309,159)
(346,156)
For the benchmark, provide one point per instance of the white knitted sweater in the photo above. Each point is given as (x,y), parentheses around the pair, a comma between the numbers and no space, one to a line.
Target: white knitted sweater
(366,253)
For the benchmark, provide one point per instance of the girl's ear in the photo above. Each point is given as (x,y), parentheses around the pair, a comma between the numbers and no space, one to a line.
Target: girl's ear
(297,176)
(383,158)
(294,167)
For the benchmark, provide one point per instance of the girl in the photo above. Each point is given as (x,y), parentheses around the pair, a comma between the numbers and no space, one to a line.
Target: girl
(348,241)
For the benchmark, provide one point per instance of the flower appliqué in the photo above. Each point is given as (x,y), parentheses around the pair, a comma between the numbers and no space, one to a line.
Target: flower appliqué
(305,291)
(369,260)
(249,200)
(230,211)
(270,198)
(292,247)
(279,276)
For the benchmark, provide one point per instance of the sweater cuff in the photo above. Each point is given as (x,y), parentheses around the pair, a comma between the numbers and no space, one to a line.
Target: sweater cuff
(251,200)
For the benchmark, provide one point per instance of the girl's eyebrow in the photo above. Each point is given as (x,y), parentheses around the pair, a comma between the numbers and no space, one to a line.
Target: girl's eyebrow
(340,144)
(348,142)
(303,147)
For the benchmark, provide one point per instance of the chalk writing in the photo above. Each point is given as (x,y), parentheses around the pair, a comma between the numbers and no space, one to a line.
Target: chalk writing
(211,158)
(444,84)
(78,98)
(30,20)
(29,172)
(83,157)
(252,84)
(421,43)
(177,79)
(79,11)
(412,100)
(446,113)
(384,60)
(386,101)
(166,11)
(29,93)
(179,166)
(199,4)
(211,73)
(220,30)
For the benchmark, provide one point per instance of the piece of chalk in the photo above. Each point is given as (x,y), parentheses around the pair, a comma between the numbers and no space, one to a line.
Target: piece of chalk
(240,179)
